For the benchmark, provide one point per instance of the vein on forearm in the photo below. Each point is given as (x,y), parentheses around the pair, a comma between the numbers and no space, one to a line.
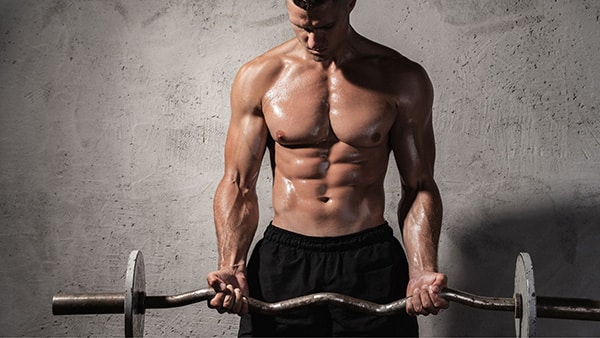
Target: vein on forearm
(236,220)
(422,225)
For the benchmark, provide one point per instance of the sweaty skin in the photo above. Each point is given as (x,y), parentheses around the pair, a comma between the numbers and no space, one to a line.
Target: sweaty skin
(330,106)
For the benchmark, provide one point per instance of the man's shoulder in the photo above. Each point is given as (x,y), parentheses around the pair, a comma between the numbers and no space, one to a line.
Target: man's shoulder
(254,79)
(387,71)
(402,77)
(267,65)
(390,62)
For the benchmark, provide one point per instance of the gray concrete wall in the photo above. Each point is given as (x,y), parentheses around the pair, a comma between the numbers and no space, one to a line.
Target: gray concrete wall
(113,116)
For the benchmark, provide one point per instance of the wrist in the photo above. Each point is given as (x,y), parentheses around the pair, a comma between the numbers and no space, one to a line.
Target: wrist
(419,264)
(239,267)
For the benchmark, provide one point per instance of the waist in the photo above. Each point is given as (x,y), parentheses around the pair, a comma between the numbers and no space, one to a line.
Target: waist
(356,240)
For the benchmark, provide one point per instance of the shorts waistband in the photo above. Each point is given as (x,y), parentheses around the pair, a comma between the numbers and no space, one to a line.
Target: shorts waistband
(357,240)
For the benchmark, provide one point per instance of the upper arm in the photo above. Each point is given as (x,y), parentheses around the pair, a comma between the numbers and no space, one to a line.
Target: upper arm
(247,134)
(412,137)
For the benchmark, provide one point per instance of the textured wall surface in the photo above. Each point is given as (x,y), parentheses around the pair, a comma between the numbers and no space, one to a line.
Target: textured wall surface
(113,116)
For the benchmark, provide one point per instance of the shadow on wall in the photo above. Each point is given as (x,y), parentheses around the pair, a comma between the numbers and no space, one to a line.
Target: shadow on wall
(562,236)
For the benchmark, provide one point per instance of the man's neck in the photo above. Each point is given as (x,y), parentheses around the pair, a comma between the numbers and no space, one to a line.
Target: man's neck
(344,52)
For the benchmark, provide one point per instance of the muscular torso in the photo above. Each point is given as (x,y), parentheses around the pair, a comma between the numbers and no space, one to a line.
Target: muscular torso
(330,106)
(330,128)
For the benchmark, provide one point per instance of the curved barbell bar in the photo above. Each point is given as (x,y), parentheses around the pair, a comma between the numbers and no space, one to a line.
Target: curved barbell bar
(549,307)
(330,298)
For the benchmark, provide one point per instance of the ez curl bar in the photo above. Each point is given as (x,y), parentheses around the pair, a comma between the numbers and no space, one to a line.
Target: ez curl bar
(527,307)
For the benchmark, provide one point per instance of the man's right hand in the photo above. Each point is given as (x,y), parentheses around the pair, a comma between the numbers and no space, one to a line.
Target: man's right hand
(232,291)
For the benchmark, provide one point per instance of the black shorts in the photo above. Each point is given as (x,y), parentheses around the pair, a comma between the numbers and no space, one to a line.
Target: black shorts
(369,265)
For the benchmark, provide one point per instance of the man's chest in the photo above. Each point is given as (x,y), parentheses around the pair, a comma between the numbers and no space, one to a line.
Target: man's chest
(314,109)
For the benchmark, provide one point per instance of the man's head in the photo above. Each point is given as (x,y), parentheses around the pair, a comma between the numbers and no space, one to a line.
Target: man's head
(308,4)
(321,26)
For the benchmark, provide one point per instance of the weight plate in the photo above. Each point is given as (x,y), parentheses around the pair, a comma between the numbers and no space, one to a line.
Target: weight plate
(135,291)
(525,319)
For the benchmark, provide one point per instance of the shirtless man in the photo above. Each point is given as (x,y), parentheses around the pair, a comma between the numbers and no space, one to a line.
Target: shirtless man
(330,106)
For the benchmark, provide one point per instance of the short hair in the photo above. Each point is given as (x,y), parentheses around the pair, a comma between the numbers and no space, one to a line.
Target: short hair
(308,4)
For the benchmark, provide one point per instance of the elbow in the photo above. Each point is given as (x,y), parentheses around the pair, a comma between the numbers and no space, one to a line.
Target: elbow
(243,185)
(420,184)
(423,191)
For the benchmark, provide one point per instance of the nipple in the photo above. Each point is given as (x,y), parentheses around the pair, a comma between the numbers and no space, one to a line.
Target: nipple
(280,135)
(376,137)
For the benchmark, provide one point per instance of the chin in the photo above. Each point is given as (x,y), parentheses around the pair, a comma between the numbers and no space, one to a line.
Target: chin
(319,57)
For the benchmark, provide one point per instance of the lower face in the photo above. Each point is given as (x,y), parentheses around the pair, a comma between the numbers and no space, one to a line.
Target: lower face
(328,25)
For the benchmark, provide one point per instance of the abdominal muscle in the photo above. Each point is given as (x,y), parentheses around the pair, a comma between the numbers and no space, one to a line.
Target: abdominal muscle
(328,191)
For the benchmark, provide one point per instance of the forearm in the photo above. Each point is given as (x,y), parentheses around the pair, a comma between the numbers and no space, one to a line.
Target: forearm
(236,220)
(420,212)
